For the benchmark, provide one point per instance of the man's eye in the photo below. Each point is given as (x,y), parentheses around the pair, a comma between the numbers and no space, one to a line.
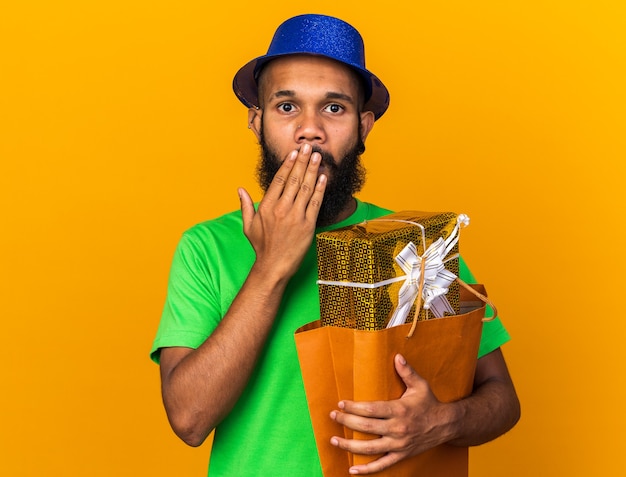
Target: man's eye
(334,108)
(286,107)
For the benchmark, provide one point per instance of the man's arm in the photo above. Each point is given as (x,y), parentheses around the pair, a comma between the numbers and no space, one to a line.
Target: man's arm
(201,386)
(418,421)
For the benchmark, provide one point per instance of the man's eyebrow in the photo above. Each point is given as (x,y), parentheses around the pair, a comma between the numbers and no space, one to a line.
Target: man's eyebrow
(288,93)
(285,93)
(345,97)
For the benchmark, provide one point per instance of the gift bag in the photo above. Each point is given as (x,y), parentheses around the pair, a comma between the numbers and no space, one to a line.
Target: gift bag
(343,363)
(390,286)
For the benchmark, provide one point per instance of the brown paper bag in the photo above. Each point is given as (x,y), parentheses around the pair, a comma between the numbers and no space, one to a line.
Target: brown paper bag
(342,363)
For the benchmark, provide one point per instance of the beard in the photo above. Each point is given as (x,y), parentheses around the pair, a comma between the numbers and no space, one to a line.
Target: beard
(345,177)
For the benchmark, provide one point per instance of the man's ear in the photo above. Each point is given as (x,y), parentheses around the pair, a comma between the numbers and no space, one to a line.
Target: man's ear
(254,121)
(367,123)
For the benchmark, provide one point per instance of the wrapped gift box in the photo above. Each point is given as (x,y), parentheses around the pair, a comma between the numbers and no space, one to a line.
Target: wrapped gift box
(356,259)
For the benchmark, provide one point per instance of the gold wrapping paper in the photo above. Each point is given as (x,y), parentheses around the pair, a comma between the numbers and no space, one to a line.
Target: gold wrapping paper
(365,253)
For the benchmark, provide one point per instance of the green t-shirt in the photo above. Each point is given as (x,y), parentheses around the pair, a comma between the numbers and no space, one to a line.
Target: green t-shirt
(268,432)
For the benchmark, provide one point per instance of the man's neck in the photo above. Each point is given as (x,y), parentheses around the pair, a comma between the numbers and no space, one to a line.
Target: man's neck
(347,211)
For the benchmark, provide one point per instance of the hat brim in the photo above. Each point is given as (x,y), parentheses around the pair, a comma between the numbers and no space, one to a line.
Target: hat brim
(246,88)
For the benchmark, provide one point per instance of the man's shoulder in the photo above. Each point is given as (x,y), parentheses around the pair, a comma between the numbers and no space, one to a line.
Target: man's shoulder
(229,222)
(373,211)
(223,230)
(368,211)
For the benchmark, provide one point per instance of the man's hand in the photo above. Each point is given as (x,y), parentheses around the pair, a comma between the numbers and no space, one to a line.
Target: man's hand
(282,229)
(407,426)
(418,421)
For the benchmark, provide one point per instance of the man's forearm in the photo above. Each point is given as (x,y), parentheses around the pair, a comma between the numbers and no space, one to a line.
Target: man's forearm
(201,386)
(492,409)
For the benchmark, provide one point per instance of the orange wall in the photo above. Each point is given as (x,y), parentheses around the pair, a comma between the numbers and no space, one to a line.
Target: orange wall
(118,130)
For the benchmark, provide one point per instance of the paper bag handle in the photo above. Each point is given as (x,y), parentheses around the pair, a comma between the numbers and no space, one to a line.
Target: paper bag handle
(476,293)
(481,297)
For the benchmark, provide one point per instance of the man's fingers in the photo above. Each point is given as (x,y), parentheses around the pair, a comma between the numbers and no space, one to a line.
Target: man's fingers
(375,446)
(296,176)
(374,409)
(315,202)
(247,209)
(300,184)
(307,183)
(368,447)
(378,465)
(406,372)
(369,425)
(281,178)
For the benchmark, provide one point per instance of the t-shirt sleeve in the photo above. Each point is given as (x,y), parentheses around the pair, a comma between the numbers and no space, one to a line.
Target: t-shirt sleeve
(192,309)
(494,333)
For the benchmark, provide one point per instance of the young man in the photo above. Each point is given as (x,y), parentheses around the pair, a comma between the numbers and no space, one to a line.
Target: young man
(241,284)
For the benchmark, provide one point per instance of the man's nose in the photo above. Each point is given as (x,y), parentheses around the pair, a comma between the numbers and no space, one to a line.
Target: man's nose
(309,128)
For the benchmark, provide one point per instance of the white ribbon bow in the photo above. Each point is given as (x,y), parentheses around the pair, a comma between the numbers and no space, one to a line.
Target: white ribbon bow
(437,278)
